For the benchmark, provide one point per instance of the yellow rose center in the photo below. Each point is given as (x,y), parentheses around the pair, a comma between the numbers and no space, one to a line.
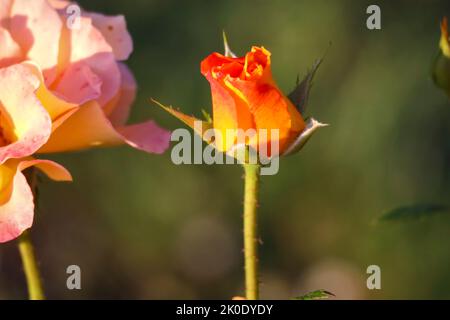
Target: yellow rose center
(7,135)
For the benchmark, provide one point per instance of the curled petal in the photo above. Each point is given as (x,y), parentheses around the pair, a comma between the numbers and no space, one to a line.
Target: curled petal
(258,65)
(9,169)
(209,64)
(52,169)
(25,123)
(58,109)
(16,197)
(90,127)
(146,136)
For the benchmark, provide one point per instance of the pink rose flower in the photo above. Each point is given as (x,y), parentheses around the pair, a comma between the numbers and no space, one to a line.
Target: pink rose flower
(63,87)
(85,87)
(25,126)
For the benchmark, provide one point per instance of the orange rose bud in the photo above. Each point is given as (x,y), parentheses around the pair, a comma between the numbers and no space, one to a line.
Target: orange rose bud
(249,109)
(245,96)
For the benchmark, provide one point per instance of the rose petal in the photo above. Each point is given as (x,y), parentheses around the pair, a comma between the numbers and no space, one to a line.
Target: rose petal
(121,111)
(114,29)
(59,4)
(90,127)
(16,215)
(270,109)
(17,205)
(58,109)
(216,59)
(230,112)
(87,45)
(5,9)
(23,119)
(52,169)
(79,84)
(7,174)
(146,136)
(36,27)
(9,169)
(10,51)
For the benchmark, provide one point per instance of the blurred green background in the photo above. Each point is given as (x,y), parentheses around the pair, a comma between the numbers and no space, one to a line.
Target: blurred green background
(141,227)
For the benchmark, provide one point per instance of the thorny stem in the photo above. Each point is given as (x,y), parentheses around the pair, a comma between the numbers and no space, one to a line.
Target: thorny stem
(250,230)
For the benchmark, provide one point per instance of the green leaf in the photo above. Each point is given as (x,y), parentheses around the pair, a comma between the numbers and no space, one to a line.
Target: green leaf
(316,295)
(416,211)
(299,96)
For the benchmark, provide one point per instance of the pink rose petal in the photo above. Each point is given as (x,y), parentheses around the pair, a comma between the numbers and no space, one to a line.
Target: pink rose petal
(36,27)
(89,127)
(146,136)
(59,4)
(79,84)
(10,51)
(88,46)
(58,109)
(52,169)
(121,111)
(17,214)
(17,206)
(25,124)
(114,29)
(5,9)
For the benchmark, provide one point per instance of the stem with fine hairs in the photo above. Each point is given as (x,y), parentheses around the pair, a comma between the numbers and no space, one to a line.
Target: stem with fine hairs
(251,241)
(29,261)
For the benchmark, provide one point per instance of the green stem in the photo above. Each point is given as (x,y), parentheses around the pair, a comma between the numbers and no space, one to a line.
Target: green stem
(30,266)
(250,230)
(29,261)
